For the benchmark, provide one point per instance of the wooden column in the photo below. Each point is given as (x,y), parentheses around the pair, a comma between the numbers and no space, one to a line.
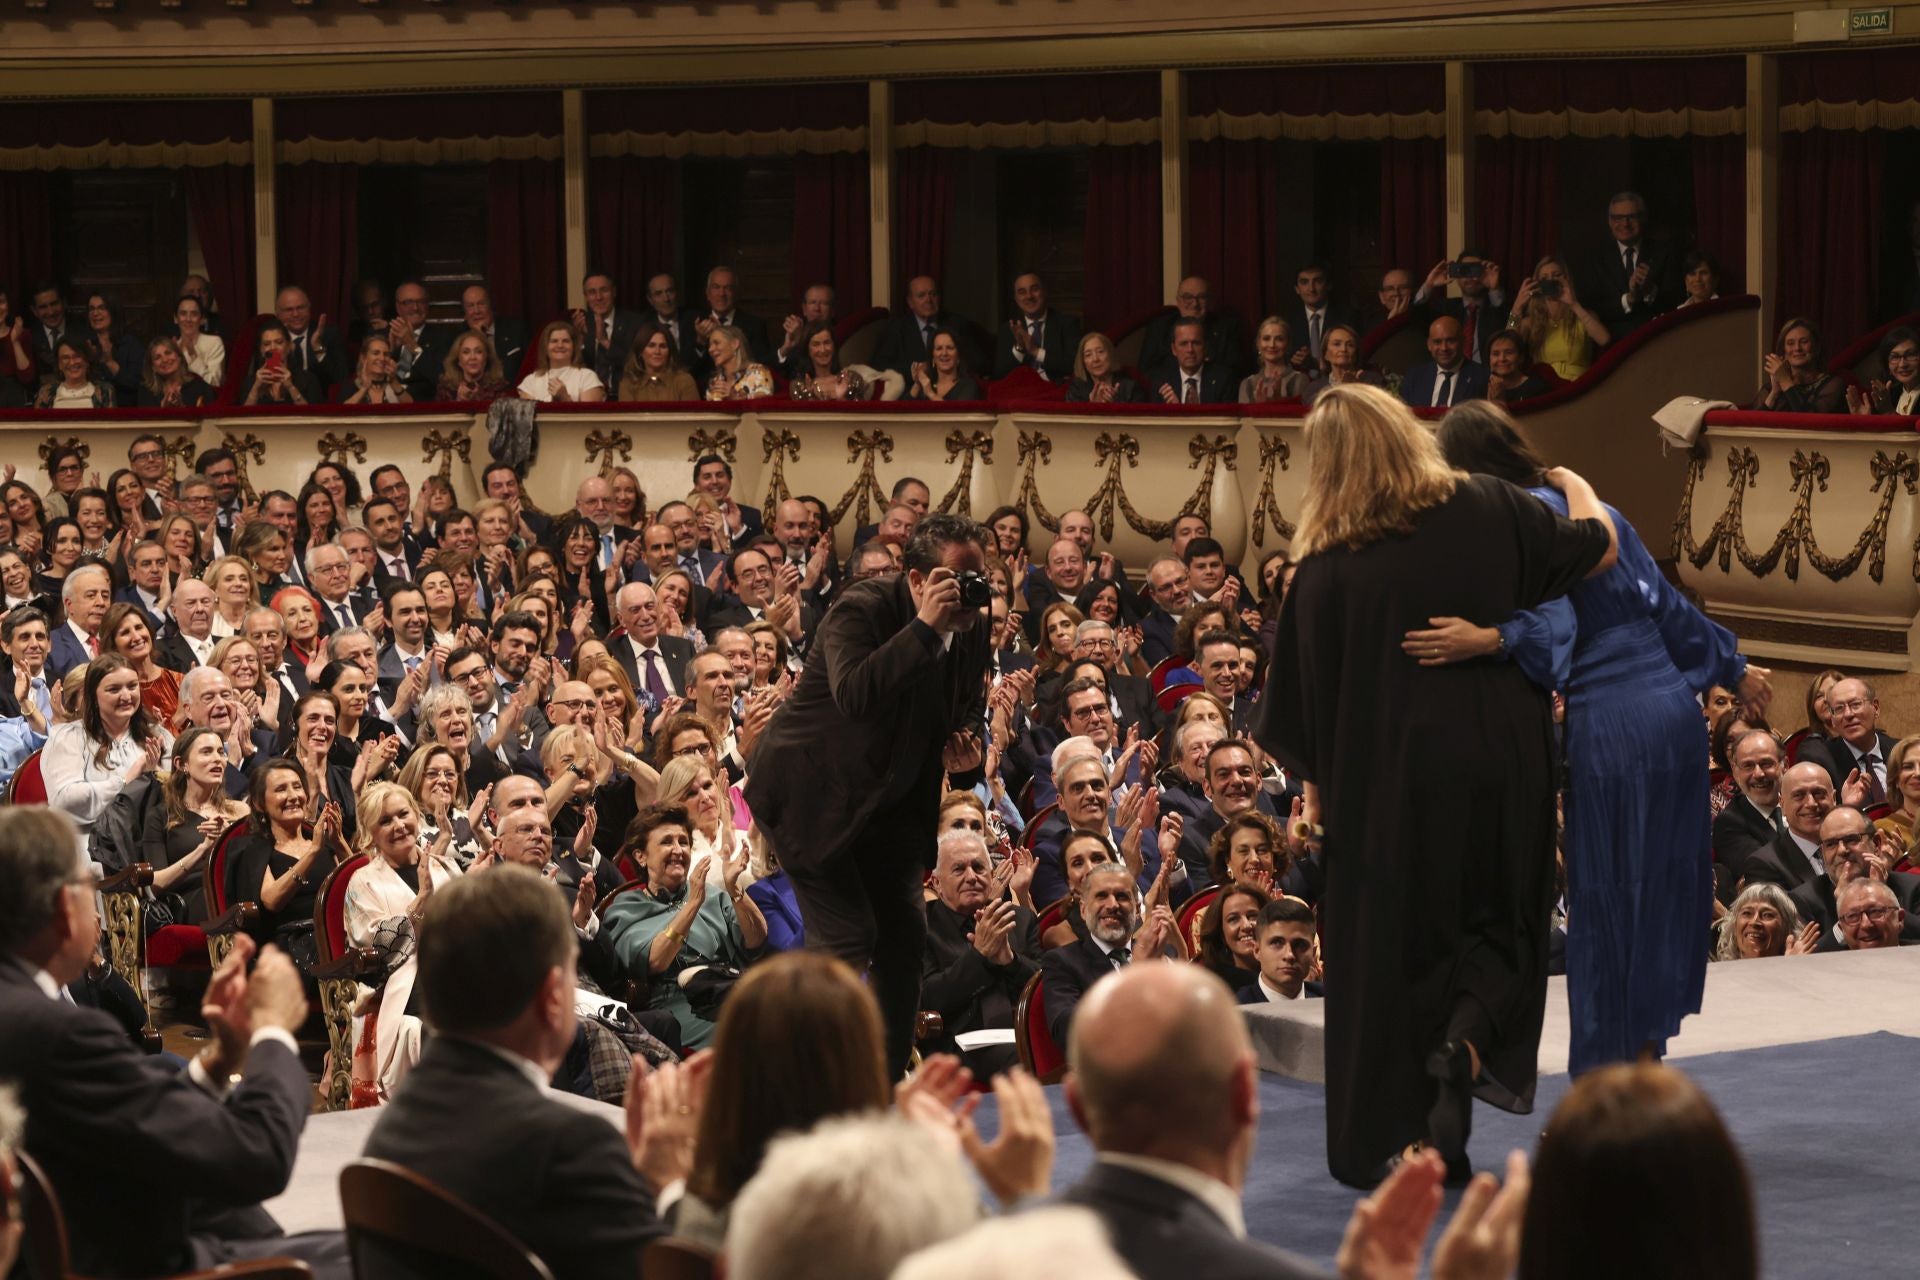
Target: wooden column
(266,257)
(1173,180)
(1763,189)
(880,190)
(1460,146)
(574,158)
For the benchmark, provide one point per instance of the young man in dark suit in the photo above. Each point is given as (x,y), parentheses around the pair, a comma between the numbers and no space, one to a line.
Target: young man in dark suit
(1193,377)
(193,1153)
(1311,314)
(1284,938)
(847,776)
(713,476)
(497,965)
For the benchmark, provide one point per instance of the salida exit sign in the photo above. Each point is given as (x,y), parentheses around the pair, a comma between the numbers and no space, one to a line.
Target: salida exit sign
(1870,22)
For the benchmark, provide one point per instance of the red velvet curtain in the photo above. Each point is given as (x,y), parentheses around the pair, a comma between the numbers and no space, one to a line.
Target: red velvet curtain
(1413,203)
(831,227)
(319,234)
(220,203)
(923,212)
(526,239)
(1122,247)
(1232,209)
(1828,254)
(1517,194)
(1720,205)
(636,205)
(26,236)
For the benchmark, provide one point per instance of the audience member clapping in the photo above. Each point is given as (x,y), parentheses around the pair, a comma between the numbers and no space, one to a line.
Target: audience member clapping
(736,375)
(1229,934)
(88,762)
(1899,391)
(1797,380)
(1098,379)
(471,373)
(560,375)
(284,857)
(1763,922)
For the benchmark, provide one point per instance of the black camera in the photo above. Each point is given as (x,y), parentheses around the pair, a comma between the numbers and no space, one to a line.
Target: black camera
(1547,288)
(976,591)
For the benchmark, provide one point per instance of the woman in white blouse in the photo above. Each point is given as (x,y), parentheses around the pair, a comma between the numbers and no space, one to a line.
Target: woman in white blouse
(206,354)
(89,761)
(560,376)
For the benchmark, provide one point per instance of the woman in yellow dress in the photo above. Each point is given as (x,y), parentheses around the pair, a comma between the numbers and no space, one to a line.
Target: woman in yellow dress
(1549,318)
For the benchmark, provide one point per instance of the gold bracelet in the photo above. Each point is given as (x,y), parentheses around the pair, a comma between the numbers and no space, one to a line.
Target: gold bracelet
(674,935)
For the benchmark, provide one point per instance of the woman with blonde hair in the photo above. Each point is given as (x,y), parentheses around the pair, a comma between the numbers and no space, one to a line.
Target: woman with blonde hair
(471,373)
(735,375)
(1389,535)
(1549,318)
(1098,377)
(1275,379)
(234,593)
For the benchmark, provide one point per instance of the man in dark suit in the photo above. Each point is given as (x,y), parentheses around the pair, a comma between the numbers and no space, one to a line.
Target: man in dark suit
(1217,658)
(1855,754)
(713,476)
(268,632)
(314,346)
(1168,1177)
(1451,378)
(146,581)
(1226,336)
(419,349)
(656,665)
(981,949)
(759,591)
(1752,819)
(816,308)
(1850,849)
(1038,338)
(502,483)
(907,340)
(660,554)
(1792,858)
(508,335)
(497,966)
(607,329)
(395,559)
(330,576)
(1634,278)
(1169,588)
(720,311)
(1873,915)
(1232,783)
(50,325)
(1193,378)
(1481,307)
(1311,314)
(698,561)
(665,311)
(85,597)
(894,684)
(1284,937)
(1109,908)
(193,1153)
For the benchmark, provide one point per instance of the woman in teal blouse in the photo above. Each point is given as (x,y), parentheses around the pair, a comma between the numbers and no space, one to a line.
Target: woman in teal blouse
(673,923)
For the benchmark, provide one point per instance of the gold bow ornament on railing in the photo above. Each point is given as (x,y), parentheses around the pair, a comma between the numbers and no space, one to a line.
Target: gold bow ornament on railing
(967,447)
(722,443)
(1036,450)
(866,492)
(245,449)
(602,446)
(446,445)
(778,448)
(1274,454)
(337,449)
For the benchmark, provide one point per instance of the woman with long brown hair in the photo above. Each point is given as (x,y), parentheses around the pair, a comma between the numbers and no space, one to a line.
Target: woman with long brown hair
(1390,536)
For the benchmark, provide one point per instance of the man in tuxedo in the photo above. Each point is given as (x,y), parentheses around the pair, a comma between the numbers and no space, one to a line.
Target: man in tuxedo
(981,950)
(1169,589)
(1850,850)
(1226,337)
(1109,906)
(419,351)
(85,597)
(1311,314)
(1217,658)
(1793,857)
(816,307)
(330,575)
(1753,817)
(497,972)
(1450,378)
(315,346)
(1038,338)
(895,683)
(1284,941)
(713,476)
(655,664)
(1481,307)
(147,578)
(664,309)
(1634,278)
(688,554)
(1192,378)
(1168,1174)
(508,335)
(721,311)
(907,340)
(50,316)
(607,329)
(193,1152)
(1856,752)
(268,633)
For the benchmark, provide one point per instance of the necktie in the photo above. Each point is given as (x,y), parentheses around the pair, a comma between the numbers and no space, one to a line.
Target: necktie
(606,331)
(691,563)
(398,568)
(1870,766)
(41,695)
(343,615)
(926,338)
(1779,824)
(1628,256)
(1444,398)
(606,550)
(93,645)
(1192,394)
(411,663)
(1470,313)
(656,686)
(1119,956)
(1313,334)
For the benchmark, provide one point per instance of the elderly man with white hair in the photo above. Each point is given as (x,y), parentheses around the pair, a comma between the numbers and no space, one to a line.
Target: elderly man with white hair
(208,701)
(1870,915)
(1111,909)
(85,597)
(981,950)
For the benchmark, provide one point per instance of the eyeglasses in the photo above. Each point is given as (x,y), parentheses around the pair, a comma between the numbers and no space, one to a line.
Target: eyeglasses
(1848,708)
(1095,712)
(704,749)
(475,674)
(572,704)
(1874,914)
(65,467)
(146,455)
(1847,841)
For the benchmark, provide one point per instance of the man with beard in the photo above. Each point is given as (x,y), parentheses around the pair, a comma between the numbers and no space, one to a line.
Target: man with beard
(1110,909)
(1752,819)
(980,952)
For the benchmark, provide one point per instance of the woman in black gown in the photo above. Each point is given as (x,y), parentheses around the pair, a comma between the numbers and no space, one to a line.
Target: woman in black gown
(1434,783)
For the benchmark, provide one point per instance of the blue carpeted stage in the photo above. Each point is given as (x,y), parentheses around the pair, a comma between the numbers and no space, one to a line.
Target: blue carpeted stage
(1823,1126)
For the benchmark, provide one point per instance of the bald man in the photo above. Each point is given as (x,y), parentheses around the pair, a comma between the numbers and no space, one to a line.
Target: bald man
(1449,378)
(594,500)
(1165,1084)
(907,338)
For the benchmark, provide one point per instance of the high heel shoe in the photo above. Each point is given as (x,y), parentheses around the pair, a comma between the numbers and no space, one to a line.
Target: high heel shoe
(1450,1122)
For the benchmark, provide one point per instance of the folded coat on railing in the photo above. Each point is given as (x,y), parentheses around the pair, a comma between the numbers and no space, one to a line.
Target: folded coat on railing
(1683,418)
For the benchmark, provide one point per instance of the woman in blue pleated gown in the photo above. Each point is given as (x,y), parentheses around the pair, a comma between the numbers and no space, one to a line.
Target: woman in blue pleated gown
(1638,839)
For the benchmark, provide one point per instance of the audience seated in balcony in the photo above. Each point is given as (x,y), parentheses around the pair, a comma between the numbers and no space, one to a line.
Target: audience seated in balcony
(50,315)
(1510,378)
(471,373)
(1037,337)
(314,347)
(1279,376)
(1634,278)
(19,376)
(1340,362)
(77,384)
(1098,379)
(506,335)
(816,307)
(653,371)
(1395,292)
(734,374)
(721,312)
(945,375)
(560,376)
(607,330)
(117,354)
(273,379)
(1309,316)
(1899,391)
(376,376)
(1191,376)
(664,309)
(907,338)
(1225,336)
(1481,308)
(1558,330)
(1797,380)
(1700,276)
(1449,378)
(815,372)
(167,381)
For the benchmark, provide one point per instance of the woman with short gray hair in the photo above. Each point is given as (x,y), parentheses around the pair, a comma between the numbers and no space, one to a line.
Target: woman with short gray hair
(1763,922)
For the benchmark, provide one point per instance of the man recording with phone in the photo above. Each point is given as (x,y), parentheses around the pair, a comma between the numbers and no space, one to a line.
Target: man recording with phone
(1481,307)
(846,780)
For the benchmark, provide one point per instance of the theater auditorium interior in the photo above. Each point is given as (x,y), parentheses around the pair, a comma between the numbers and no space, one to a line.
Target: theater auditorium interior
(662,639)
